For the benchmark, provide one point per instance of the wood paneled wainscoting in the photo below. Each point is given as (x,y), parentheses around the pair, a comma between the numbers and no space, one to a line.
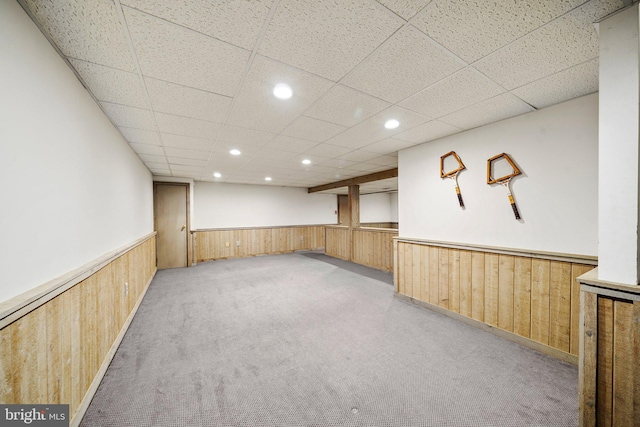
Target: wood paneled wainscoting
(379,224)
(372,247)
(338,242)
(610,354)
(57,340)
(221,243)
(532,298)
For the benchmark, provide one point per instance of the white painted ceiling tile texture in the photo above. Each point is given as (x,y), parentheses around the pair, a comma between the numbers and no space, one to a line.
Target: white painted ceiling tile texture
(85,29)
(111,84)
(184,81)
(237,22)
(176,54)
(406,63)
(327,37)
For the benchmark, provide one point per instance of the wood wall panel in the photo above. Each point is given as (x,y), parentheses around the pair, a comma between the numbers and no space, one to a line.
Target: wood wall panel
(337,242)
(379,224)
(540,271)
(374,248)
(506,291)
(527,296)
(434,275)
(443,277)
(522,297)
(477,286)
(466,293)
(454,280)
(57,350)
(623,363)
(560,305)
(576,271)
(491,284)
(609,369)
(212,244)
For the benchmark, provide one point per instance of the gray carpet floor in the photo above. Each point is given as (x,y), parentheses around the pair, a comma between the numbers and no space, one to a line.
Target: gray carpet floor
(305,340)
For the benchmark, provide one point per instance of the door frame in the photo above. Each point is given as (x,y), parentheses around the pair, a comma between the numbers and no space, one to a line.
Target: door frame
(190,249)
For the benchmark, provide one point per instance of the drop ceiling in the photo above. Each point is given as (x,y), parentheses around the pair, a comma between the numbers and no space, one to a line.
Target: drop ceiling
(187,81)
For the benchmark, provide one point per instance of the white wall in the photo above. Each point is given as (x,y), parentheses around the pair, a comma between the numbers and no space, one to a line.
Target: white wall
(619,251)
(220,205)
(375,207)
(557,150)
(72,189)
(394,207)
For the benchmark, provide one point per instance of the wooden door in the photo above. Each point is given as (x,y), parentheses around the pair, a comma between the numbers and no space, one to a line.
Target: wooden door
(343,210)
(170,203)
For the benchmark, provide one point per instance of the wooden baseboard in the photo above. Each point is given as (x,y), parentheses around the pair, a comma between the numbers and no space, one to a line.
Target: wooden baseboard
(88,397)
(549,351)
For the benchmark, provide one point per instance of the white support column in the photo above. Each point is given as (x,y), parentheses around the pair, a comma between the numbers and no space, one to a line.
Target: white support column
(619,125)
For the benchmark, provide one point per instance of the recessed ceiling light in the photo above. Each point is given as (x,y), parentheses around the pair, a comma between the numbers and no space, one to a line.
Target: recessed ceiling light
(282,91)
(306,162)
(268,178)
(392,124)
(235,152)
(217,174)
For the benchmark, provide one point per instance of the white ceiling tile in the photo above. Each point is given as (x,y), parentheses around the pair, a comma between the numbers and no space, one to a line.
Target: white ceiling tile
(359,156)
(157,165)
(141,136)
(405,64)
(312,129)
(147,149)
(405,8)
(235,134)
(315,161)
(387,146)
(337,163)
(563,43)
(372,129)
(159,171)
(328,150)
(224,164)
(365,167)
(492,110)
(255,106)
(246,148)
(453,93)
(131,117)
(568,84)
(427,132)
(187,154)
(169,52)
(345,106)
(259,164)
(196,170)
(186,162)
(112,85)
(234,21)
(390,161)
(153,158)
(188,142)
(274,155)
(180,100)
(326,37)
(286,143)
(85,29)
(177,125)
(472,29)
